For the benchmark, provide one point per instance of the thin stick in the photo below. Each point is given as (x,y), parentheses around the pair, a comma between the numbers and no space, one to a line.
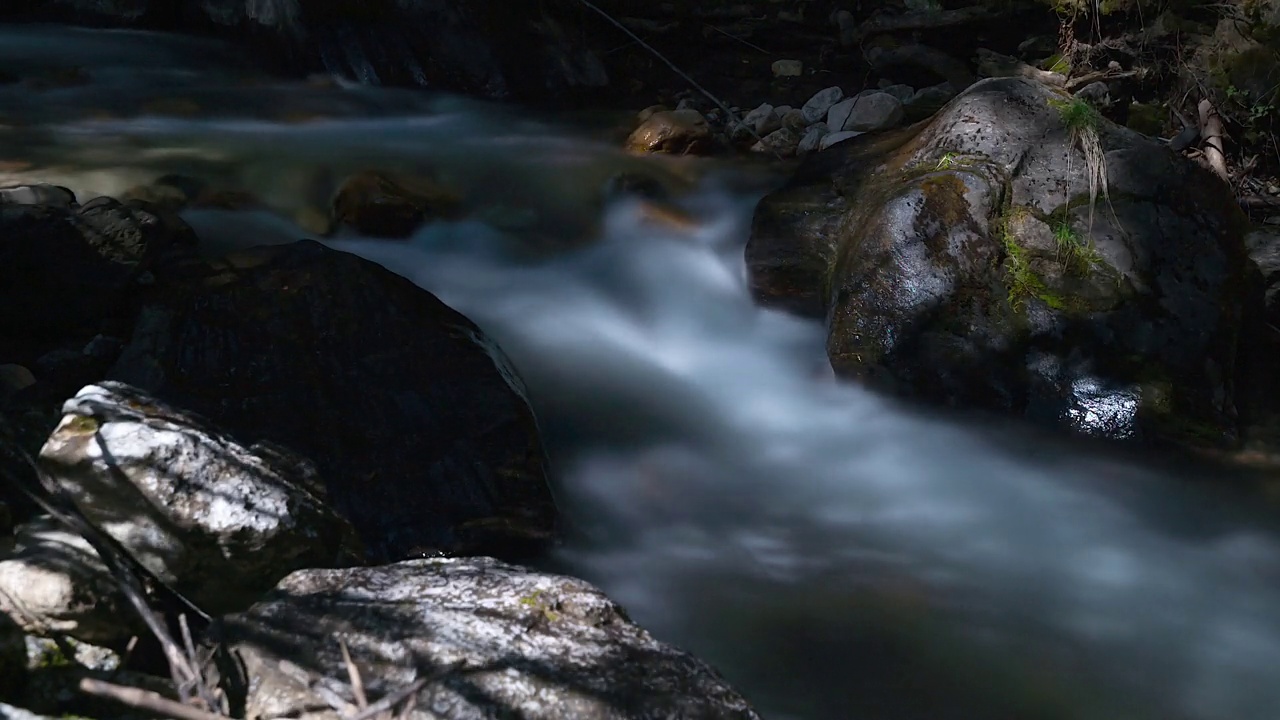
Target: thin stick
(145,700)
(734,122)
(391,699)
(353,673)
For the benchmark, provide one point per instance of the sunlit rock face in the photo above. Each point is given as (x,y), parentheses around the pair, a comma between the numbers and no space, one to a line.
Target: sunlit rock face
(967,261)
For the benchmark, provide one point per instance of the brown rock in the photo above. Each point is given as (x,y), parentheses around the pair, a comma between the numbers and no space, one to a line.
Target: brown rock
(679,132)
(382,205)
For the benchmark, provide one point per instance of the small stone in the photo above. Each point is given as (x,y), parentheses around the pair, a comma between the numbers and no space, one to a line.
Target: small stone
(794,121)
(788,68)
(832,138)
(817,106)
(812,139)
(866,113)
(781,142)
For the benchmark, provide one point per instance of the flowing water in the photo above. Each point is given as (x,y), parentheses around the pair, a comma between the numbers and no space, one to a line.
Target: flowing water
(834,553)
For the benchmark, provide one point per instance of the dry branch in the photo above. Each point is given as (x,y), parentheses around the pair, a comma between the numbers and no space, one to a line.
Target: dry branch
(145,700)
(1211,131)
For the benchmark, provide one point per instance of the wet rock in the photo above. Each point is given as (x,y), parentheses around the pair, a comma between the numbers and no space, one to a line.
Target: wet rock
(217,521)
(953,264)
(817,107)
(904,93)
(484,47)
(64,270)
(381,205)
(865,113)
(43,194)
(679,132)
(53,583)
(419,426)
(489,640)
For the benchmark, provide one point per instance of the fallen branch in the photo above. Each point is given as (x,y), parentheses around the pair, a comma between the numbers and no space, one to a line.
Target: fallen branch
(145,700)
(1211,131)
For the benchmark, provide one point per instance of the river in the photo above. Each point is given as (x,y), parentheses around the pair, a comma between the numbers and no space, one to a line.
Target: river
(836,554)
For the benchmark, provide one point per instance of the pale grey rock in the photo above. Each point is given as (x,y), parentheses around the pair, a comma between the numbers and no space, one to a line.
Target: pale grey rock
(788,68)
(54,583)
(812,139)
(492,640)
(218,521)
(42,194)
(866,113)
(817,107)
(11,712)
(832,138)
(758,123)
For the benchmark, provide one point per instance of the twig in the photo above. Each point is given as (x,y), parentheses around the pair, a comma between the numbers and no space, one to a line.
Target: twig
(729,114)
(145,700)
(353,672)
(390,700)
(731,36)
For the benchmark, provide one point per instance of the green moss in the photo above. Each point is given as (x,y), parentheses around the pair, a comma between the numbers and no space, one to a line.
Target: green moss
(82,425)
(1077,255)
(1077,114)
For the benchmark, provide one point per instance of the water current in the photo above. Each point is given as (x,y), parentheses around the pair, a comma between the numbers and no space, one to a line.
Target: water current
(836,554)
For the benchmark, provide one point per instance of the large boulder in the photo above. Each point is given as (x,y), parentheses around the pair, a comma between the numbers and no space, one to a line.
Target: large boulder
(482,638)
(962,261)
(418,424)
(217,521)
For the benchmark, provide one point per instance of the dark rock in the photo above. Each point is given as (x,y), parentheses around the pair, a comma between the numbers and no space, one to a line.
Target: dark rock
(502,641)
(416,421)
(493,48)
(62,271)
(959,261)
(1264,249)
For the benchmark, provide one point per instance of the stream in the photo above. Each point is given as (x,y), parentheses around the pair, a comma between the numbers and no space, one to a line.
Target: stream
(836,554)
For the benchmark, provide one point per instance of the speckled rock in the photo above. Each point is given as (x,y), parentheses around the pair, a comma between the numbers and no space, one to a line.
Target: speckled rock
(490,640)
(218,521)
(54,583)
(960,261)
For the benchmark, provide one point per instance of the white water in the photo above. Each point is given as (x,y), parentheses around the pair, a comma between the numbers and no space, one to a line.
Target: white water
(835,554)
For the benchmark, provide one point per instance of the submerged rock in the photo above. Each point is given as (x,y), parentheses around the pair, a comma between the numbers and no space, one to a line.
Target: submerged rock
(485,638)
(418,424)
(379,205)
(217,521)
(962,261)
